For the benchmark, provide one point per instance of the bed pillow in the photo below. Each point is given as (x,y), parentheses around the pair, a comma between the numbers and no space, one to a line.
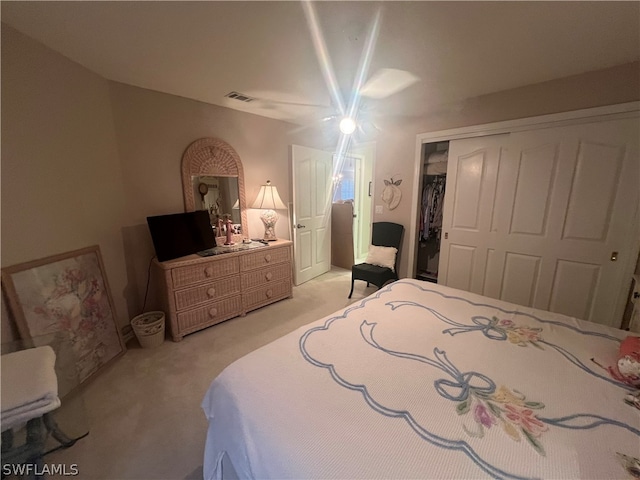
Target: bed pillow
(627,369)
(382,256)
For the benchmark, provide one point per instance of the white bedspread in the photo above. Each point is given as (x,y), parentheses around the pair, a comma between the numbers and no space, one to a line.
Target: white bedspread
(424,381)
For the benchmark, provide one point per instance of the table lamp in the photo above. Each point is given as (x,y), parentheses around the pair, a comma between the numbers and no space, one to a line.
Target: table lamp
(268,200)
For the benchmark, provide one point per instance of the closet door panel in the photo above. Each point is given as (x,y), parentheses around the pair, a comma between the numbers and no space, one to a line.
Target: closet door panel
(593,188)
(470,175)
(492,275)
(500,209)
(589,188)
(520,278)
(468,222)
(461,266)
(535,175)
(574,284)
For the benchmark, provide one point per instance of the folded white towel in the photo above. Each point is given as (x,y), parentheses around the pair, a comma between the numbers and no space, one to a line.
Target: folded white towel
(29,385)
(19,416)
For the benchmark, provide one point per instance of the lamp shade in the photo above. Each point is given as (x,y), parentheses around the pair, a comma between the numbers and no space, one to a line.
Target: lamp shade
(268,198)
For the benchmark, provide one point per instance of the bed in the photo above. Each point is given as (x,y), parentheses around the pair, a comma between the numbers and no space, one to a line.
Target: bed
(420,380)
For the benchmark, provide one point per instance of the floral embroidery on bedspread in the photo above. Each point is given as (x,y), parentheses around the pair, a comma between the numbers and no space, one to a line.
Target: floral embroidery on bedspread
(506,408)
(477,393)
(520,335)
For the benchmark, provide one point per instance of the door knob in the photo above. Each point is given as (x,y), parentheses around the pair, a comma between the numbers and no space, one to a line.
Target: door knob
(300,226)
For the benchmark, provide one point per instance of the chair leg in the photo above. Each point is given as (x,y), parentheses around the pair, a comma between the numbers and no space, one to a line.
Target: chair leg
(53,428)
(7,440)
(351,292)
(367,284)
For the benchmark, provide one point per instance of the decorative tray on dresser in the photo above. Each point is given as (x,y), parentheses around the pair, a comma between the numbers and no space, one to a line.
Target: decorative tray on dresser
(201,291)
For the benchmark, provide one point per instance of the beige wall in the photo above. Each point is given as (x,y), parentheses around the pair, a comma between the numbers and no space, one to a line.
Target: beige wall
(62,185)
(396,145)
(154,129)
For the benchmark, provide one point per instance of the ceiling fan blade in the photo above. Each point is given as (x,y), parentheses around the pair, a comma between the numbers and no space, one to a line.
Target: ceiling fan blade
(386,82)
(271,103)
(317,123)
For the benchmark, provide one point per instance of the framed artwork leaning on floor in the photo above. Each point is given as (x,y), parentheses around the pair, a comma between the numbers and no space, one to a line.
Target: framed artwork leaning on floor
(67,294)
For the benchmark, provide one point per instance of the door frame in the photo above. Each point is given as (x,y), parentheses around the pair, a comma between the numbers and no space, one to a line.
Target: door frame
(597,114)
(367,152)
(358,189)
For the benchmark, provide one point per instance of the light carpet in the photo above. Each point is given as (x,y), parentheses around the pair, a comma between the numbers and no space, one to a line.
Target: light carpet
(144,411)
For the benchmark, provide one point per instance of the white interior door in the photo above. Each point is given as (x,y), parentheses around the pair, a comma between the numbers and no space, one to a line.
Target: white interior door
(312,173)
(555,227)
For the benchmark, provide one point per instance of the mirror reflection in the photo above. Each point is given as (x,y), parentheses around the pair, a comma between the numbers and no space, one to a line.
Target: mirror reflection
(213,181)
(218,196)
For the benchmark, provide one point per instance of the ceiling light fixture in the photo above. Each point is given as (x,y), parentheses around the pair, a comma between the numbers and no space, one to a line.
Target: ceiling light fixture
(347,125)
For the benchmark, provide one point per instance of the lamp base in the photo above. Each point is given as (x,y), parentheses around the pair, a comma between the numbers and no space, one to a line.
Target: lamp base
(269,218)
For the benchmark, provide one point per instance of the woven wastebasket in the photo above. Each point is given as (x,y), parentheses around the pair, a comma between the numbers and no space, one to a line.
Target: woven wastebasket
(149,329)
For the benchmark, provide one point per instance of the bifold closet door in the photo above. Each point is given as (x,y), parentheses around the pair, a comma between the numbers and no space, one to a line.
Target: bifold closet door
(563,225)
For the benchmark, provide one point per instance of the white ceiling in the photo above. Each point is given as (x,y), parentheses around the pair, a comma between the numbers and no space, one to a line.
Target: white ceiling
(458,50)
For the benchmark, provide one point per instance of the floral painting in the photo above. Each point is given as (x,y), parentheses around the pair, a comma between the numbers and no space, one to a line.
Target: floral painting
(67,294)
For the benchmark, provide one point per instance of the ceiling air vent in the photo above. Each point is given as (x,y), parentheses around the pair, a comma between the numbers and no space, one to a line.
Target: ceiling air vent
(239,96)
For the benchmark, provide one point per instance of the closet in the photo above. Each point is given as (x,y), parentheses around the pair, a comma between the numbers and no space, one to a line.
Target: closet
(430,210)
(545,217)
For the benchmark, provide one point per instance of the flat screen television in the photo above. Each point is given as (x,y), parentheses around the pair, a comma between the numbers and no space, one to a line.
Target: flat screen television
(181,234)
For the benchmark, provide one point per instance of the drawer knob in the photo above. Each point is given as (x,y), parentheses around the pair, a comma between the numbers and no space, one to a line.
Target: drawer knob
(269,293)
(267,258)
(208,271)
(268,276)
(211,292)
(213,312)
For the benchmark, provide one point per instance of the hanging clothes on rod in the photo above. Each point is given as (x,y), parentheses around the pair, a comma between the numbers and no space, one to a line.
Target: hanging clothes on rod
(431,211)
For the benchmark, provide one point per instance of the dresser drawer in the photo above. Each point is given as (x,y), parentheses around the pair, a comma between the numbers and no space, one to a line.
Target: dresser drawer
(264,276)
(209,314)
(212,270)
(265,256)
(205,293)
(266,294)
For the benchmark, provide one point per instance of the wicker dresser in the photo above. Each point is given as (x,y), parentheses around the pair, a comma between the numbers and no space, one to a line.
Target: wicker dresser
(201,291)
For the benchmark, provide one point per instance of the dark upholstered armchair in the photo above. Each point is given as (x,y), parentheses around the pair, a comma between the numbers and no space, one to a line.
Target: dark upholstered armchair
(384,234)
